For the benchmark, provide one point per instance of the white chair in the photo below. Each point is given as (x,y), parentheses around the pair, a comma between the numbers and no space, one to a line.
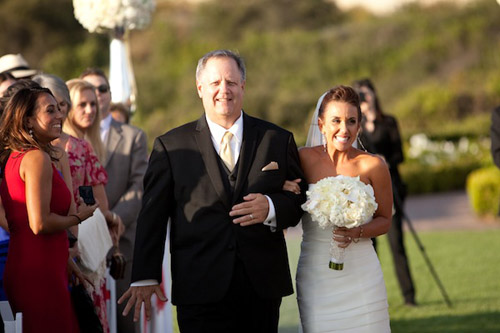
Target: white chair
(10,324)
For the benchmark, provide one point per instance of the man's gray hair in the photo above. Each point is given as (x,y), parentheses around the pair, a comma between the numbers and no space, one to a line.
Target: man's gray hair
(220,54)
(55,84)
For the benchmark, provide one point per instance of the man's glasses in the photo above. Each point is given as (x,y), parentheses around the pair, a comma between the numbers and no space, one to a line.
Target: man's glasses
(103,88)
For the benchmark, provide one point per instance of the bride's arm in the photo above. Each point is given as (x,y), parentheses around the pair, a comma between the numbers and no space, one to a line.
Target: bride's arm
(292,185)
(381,182)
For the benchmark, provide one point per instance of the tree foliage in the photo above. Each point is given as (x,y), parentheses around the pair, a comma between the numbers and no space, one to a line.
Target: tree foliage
(47,34)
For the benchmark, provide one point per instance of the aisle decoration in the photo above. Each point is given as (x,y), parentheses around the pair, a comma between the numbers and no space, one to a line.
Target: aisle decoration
(116,17)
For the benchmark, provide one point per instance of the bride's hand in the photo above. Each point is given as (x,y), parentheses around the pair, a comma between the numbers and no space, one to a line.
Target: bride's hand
(292,186)
(343,237)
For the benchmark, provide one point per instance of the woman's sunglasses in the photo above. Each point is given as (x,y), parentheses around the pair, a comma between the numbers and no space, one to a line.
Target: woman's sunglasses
(103,88)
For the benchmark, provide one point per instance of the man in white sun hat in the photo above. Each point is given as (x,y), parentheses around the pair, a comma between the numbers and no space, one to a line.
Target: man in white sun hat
(16,65)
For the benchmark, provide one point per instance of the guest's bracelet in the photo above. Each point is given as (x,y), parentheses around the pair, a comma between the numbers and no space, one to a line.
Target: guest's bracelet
(360,234)
(79,219)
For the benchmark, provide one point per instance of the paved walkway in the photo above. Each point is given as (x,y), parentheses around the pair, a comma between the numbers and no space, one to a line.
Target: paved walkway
(445,211)
(441,211)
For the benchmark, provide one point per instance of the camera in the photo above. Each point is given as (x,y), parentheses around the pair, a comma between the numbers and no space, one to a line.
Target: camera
(362,97)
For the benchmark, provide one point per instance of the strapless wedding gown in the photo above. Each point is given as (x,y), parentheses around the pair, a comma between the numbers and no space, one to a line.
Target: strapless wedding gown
(351,300)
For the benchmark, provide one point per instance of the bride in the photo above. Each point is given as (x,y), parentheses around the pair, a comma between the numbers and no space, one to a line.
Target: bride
(353,299)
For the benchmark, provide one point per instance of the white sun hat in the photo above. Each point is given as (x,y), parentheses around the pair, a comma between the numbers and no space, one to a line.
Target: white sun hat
(16,65)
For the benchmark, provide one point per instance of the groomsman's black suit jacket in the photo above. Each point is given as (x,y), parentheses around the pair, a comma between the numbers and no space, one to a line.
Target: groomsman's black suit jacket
(183,182)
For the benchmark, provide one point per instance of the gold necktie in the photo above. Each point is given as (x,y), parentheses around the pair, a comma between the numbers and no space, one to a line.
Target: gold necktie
(225,150)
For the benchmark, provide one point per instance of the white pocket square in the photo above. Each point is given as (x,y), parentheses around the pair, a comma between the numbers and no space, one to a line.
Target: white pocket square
(271,166)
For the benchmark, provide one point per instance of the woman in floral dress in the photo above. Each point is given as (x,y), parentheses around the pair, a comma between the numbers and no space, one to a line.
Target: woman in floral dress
(85,167)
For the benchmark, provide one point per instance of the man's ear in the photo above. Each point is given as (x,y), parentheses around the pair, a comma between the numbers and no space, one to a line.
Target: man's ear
(199,88)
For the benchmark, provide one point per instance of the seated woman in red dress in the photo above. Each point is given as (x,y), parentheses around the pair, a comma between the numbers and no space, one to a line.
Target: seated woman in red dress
(36,202)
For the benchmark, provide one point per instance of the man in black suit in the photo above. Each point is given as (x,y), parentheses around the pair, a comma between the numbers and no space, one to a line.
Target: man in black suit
(227,208)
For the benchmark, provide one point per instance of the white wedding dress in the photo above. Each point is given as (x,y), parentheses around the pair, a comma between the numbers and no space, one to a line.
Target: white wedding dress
(351,300)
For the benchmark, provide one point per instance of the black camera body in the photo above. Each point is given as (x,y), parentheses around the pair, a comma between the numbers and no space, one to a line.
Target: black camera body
(362,97)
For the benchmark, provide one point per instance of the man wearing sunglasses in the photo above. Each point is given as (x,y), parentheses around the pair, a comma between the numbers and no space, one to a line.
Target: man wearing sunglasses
(125,163)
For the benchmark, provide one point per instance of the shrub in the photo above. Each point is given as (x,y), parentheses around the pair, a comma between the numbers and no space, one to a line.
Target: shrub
(437,166)
(483,189)
(422,178)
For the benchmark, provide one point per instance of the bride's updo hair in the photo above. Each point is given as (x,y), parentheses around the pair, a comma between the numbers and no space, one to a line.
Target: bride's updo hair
(340,93)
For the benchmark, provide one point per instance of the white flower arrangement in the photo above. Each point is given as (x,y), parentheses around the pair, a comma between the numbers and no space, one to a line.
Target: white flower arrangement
(423,150)
(340,201)
(101,15)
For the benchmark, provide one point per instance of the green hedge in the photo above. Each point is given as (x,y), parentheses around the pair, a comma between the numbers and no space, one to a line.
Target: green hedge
(439,178)
(483,189)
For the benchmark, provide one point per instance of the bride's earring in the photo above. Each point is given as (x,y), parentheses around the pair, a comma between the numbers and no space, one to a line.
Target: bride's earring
(30,132)
(324,142)
(361,143)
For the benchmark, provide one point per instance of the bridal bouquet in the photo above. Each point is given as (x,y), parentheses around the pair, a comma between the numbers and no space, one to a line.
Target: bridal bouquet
(340,201)
(100,15)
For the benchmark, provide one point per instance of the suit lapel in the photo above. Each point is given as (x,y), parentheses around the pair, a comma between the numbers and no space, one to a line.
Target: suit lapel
(114,137)
(251,134)
(209,155)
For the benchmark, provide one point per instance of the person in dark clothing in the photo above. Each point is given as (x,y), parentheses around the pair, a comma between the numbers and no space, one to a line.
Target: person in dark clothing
(495,137)
(380,135)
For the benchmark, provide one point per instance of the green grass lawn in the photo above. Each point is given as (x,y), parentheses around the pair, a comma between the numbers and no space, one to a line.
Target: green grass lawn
(468,264)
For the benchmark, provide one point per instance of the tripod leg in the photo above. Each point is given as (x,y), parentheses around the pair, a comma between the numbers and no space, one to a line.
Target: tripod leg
(399,206)
(427,261)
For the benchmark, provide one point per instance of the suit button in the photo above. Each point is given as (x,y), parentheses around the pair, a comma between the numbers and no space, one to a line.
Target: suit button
(230,247)
(232,178)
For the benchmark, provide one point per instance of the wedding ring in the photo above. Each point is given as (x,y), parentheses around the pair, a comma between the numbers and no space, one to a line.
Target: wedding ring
(251,216)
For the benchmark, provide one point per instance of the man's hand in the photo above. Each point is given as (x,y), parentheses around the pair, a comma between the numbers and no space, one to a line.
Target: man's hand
(139,295)
(253,210)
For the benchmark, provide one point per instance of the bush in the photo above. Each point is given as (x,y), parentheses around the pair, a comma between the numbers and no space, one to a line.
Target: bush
(437,178)
(483,189)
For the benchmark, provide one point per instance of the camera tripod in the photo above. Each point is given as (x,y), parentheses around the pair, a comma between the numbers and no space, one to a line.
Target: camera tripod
(398,205)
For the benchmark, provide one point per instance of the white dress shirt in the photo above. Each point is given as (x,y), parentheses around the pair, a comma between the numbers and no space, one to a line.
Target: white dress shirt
(105,125)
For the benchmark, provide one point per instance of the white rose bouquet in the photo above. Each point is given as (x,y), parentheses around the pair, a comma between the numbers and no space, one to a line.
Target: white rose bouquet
(340,201)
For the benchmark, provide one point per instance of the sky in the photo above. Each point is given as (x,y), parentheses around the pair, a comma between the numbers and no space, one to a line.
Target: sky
(383,6)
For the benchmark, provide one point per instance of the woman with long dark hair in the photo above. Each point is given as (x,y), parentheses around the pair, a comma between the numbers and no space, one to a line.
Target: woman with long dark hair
(36,202)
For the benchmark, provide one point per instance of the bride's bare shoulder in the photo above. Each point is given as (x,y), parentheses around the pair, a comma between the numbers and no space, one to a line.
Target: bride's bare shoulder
(370,161)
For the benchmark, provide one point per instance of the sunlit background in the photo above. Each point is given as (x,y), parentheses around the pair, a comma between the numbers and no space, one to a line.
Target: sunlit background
(436,66)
